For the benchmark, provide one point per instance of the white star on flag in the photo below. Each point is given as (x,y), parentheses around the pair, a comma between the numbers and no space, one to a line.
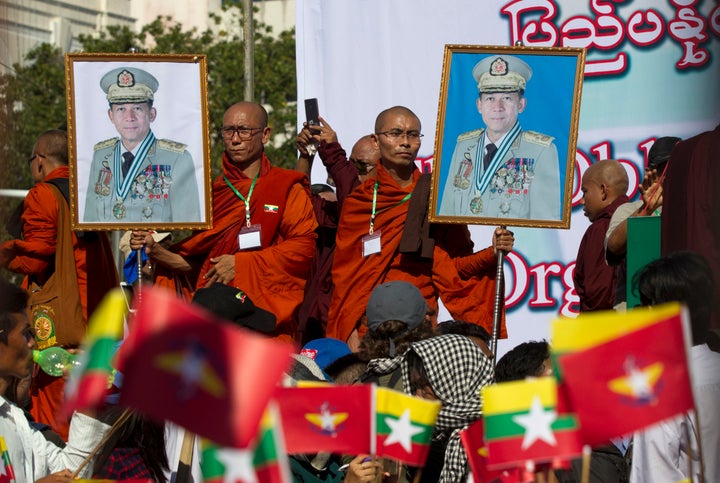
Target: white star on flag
(238,465)
(401,431)
(191,366)
(327,419)
(638,379)
(537,424)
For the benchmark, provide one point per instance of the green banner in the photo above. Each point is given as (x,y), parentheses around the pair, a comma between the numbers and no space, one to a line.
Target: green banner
(643,246)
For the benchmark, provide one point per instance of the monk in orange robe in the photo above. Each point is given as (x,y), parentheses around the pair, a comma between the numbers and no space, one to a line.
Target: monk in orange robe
(265,251)
(372,225)
(34,256)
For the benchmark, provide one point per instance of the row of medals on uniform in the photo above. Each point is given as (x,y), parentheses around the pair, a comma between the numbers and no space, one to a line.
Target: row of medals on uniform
(152,184)
(513,180)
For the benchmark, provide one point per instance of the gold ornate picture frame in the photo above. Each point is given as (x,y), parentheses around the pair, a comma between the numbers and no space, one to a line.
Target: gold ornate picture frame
(139,145)
(527,101)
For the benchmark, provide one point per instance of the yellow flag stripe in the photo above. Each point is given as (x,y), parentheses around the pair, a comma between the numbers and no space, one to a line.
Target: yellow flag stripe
(107,320)
(595,328)
(394,403)
(516,396)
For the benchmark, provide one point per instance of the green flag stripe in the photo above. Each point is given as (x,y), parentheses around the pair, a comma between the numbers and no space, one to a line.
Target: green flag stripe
(101,353)
(211,466)
(420,438)
(502,426)
(557,370)
(266,451)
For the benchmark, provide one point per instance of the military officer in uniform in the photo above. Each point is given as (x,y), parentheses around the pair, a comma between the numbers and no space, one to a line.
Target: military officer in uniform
(137,177)
(500,170)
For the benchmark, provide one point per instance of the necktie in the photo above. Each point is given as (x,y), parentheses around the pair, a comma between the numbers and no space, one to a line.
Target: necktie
(491,149)
(127,161)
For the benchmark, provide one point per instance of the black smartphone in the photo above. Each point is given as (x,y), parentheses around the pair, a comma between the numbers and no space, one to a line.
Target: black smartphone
(312,112)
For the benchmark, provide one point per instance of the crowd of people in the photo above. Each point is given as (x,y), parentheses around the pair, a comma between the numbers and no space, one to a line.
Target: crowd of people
(353,275)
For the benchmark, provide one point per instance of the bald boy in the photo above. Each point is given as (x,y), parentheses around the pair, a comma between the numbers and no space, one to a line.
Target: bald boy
(604,187)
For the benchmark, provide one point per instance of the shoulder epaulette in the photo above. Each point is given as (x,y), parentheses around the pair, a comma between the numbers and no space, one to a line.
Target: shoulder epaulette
(105,144)
(471,134)
(537,138)
(173,146)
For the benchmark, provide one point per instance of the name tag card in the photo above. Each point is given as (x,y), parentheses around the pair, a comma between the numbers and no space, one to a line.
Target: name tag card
(249,237)
(371,244)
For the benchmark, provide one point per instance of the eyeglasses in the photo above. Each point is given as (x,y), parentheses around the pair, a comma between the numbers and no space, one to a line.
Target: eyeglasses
(242,132)
(412,136)
(363,167)
(36,155)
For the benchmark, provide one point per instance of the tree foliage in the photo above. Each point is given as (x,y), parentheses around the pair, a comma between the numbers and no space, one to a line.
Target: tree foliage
(34,99)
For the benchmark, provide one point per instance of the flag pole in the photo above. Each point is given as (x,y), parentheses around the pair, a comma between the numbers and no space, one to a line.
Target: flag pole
(690,453)
(698,439)
(701,461)
(585,473)
(551,475)
(418,475)
(186,457)
(113,429)
(497,312)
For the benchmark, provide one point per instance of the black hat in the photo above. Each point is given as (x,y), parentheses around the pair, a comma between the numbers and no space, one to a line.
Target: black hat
(233,304)
(659,153)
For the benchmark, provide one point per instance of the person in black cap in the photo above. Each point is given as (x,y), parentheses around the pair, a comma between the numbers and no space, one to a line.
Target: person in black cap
(649,204)
(233,305)
(396,316)
(501,170)
(137,177)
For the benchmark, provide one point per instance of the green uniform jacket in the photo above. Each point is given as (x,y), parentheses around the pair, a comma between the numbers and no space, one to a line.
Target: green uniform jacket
(164,190)
(526,185)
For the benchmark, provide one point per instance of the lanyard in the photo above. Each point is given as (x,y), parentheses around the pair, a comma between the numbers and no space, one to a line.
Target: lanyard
(123,189)
(245,200)
(374,205)
(482,180)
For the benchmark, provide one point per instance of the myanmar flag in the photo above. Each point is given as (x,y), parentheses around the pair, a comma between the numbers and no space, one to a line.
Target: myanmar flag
(633,364)
(6,469)
(473,440)
(206,375)
(89,384)
(404,425)
(522,423)
(270,458)
(267,463)
(221,464)
(326,418)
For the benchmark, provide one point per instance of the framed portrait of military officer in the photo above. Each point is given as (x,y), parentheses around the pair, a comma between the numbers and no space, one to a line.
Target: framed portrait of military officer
(139,141)
(506,136)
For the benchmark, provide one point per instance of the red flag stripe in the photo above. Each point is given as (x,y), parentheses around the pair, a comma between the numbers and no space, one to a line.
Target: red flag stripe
(507,453)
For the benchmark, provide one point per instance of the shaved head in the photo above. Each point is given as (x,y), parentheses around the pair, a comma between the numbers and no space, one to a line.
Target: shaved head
(365,155)
(56,145)
(393,111)
(252,108)
(601,185)
(364,142)
(611,173)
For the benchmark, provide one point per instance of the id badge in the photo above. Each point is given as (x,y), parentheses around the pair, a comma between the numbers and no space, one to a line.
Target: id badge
(249,237)
(371,244)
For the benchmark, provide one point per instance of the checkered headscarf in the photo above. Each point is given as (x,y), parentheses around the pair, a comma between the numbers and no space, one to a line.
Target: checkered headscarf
(457,368)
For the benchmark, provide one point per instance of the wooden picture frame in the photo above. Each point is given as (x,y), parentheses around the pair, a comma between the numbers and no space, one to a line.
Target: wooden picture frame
(165,183)
(537,145)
